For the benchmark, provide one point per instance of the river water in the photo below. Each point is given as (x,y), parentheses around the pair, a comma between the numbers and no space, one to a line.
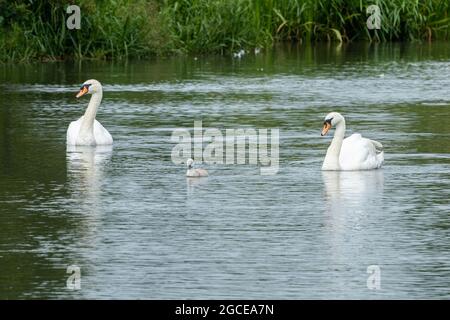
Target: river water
(138,228)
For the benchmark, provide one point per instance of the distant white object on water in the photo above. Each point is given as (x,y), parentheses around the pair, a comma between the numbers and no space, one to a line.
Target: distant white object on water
(239,54)
(257,51)
(381,75)
(194,172)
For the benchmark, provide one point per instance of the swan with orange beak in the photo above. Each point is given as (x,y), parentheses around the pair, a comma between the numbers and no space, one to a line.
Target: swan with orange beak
(87,130)
(351,153)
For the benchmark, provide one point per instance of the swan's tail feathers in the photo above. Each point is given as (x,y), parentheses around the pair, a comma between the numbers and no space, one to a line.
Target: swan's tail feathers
(380,158)
(378,146)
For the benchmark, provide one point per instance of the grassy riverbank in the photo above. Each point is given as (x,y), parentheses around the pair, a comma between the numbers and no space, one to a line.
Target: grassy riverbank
(31,30)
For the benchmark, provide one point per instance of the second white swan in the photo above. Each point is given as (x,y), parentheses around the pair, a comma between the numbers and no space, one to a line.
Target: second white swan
(86,130)
(352,153)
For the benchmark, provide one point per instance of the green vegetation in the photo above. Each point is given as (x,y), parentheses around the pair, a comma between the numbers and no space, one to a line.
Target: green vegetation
(36,29)
(118,29)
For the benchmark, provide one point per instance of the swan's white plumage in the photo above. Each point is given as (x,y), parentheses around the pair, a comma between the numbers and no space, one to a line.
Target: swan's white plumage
(101,135)
(194,172)
(87,130)
(358,153)
(352,153)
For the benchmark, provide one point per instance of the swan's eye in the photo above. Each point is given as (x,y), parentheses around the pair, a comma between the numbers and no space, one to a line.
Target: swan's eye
(83,90)
(85,86)
(328,121)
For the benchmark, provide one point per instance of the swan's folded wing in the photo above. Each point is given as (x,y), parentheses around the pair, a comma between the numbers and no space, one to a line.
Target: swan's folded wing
(102,136)
(72,132)
(357,153)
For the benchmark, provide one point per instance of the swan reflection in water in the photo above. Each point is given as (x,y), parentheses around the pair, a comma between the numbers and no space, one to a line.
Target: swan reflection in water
(353,191)
(86,183)
(85,171)
(353,207)
(194,183)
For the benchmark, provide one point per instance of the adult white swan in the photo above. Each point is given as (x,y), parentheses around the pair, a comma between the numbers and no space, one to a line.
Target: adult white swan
(352,153)
(87,131)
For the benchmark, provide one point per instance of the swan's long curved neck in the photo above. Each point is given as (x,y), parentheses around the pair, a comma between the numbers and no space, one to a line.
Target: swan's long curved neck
(331,161)
(87,125)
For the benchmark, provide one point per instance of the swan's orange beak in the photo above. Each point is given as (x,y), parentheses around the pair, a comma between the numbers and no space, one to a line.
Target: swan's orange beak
(82,91)
(326,127)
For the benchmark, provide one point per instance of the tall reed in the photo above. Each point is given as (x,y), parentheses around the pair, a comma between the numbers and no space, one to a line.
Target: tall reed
(212,25)
(119,29)
(35,29)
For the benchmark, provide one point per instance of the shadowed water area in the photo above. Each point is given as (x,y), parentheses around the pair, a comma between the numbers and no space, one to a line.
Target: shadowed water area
(138,228)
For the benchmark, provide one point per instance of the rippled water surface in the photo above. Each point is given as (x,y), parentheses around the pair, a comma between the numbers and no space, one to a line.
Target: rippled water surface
(137,228)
